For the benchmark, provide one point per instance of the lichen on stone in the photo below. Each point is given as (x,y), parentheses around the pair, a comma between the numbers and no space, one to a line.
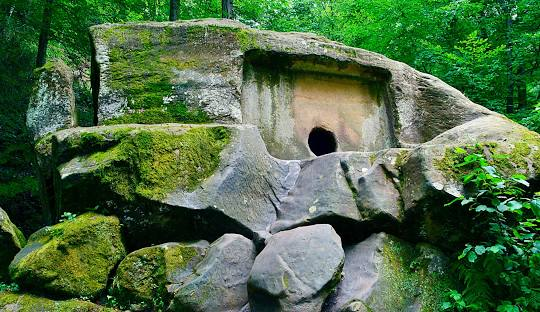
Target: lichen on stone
(157,115)
(247,39)
(152,163)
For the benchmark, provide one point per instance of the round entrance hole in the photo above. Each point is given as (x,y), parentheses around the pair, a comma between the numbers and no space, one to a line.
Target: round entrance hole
(322,141)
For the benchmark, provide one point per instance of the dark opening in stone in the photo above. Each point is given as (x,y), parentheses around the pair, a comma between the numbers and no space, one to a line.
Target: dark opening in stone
(322,141)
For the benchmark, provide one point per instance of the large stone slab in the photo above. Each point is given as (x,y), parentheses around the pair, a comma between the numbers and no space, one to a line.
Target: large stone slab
(285,83)
(219,282)
(188,182)
(296,270)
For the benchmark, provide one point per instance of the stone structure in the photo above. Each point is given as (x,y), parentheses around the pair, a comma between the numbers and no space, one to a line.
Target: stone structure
(293,154)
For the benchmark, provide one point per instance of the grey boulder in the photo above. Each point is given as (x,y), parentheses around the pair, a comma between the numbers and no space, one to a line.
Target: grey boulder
(219,282)
(297,270)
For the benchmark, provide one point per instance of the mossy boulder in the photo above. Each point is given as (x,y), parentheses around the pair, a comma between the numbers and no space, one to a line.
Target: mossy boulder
(11,242)
(143,276)
(430,176)
(384,273)
(15,302)
(72,258)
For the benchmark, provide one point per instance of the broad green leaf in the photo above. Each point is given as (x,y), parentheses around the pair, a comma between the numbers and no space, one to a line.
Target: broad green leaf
(471,256)
(459,150)
(480,208)
(479,250)
(514,205)
(535,206)
(502,207)
(490,169)
(464,252)
(496,248)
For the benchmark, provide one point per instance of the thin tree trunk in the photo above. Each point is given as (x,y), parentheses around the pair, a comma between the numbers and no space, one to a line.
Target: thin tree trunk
(227,8)
(44,33)
(509,61)
(521,88)
(173,11)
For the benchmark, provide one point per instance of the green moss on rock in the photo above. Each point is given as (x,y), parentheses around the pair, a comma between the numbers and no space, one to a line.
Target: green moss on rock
(152,163)
(143,66)
(72,259)
(29,303)
(11,241)
(178,113)
(247,39)
(143,275)
(410,276)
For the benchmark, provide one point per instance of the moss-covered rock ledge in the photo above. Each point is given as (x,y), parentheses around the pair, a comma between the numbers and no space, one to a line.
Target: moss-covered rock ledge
(151,164)
(183,182)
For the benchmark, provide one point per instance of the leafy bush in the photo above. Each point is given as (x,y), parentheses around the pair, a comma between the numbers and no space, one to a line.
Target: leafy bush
(531,119)
(9,287)
(500,267)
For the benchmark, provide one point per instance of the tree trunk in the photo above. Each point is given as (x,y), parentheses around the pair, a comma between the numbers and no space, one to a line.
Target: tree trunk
(509,60)
(227,8)
(173,11)
(44,33)
(521,88)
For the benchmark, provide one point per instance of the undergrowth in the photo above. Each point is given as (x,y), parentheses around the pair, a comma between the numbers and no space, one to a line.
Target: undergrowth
(500,268)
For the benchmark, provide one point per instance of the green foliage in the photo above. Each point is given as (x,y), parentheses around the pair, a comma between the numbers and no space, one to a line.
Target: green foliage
(500,267)
(529,118)
(83,104)
(9,287)
(475,67)
(14,187)
(67,216)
